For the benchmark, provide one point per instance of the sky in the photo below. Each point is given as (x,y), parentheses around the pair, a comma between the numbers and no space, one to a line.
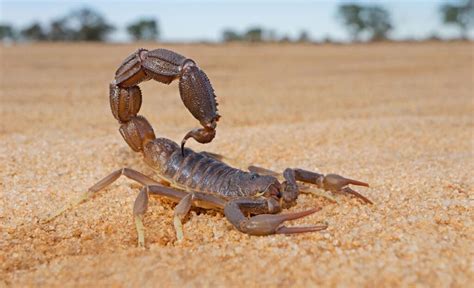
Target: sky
(188,20)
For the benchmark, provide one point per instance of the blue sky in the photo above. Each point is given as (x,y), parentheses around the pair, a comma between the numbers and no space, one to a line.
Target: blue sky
(188,20)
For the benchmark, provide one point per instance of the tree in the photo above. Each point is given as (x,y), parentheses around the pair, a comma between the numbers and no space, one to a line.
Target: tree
(374,20)
(34,32)
(350,15)
(59,31)
(7,32)
(80,25)
(254,34)
(92,26)
(377,22)
(460,15)
(328,40)
(303,37)
(144,29)
(229,35)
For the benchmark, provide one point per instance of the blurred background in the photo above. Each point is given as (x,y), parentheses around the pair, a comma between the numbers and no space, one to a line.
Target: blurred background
(236,20)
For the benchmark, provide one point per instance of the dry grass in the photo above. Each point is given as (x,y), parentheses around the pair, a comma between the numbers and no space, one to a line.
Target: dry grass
(399,116)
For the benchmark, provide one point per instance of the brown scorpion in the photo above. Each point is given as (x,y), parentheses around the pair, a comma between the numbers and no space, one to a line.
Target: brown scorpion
(250,200)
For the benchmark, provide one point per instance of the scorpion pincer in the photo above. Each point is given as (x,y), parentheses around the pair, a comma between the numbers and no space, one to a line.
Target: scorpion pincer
(250,200)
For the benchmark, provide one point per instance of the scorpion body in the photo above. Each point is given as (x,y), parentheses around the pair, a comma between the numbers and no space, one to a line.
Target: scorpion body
(197,171)
(250,199)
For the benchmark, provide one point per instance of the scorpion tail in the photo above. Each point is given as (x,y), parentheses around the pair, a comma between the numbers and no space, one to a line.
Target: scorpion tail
(125,104)
(137,132)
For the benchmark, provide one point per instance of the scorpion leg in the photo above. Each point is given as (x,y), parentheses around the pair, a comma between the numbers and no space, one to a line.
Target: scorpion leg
(329,182)
(184,205)
(265,224)
(180,211)
(301,188)
(141,205)
(106,181)
(185,199)
(152,187)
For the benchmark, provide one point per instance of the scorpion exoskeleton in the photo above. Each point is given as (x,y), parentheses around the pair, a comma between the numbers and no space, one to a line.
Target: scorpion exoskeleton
(164,66)
(250,200)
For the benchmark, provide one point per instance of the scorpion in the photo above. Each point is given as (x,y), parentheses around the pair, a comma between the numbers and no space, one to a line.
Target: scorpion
(250,200)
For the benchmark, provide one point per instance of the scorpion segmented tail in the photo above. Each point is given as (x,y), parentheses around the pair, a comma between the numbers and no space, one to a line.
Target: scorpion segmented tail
(125,104)
(164,66)
(126,100)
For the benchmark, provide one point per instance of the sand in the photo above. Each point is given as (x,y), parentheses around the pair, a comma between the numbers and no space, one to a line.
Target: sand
(399,116)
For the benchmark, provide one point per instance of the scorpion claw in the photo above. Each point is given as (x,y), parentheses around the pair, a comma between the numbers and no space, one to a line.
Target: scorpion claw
(348,190)
(294,230)
(334,181)
(267,224)
(337,183)
(357,183)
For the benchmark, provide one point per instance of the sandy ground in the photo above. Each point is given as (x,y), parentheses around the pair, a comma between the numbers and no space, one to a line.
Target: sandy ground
(399,116)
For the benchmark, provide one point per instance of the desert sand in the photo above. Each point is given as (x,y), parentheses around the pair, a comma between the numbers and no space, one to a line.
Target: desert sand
(398,116)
